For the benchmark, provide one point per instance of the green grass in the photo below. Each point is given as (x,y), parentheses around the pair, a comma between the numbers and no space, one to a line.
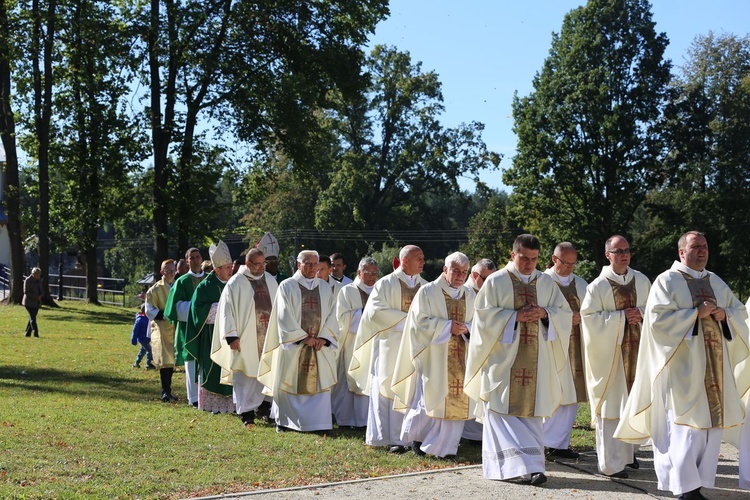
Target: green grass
(78,421)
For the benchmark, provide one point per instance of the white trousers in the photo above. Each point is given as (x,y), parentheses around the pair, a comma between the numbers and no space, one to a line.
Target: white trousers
(247,392)
(191,386)
(689,459)
(557,428)
(511,446)
(613,455)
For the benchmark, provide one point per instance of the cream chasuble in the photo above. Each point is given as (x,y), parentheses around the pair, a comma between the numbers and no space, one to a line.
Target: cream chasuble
(286,363)
(673,364)
(605,330)
(425,350)
(350,302)
(382,322)
(244,311)
(162,331)
(496,340)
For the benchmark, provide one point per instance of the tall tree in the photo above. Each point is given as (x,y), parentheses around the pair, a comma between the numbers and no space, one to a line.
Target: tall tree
(398,157)
(12,194)
(588,149)
(99,147)
(707,181)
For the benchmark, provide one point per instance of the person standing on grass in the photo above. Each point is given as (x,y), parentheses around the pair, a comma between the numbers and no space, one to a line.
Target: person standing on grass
(32,299)
(298,365)
(213,396)
(241,324)
(177,311)
(140,335)
(558,427)
(431,364)
(350,408)
(162,331)
(376,347)
(611,319)
(685,394)
(517,353)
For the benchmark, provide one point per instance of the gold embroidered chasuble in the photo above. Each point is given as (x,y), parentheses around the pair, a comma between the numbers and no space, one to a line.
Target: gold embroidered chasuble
(456,402)
(575,348)
(263,305)
(307,373)
(407,295)
(524,369)
(701,291)
(625,296)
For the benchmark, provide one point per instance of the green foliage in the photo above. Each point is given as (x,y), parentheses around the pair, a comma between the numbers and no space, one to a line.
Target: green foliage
(492,231)
(587,142)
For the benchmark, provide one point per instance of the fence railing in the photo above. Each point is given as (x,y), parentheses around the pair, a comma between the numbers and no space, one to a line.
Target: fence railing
(109,290)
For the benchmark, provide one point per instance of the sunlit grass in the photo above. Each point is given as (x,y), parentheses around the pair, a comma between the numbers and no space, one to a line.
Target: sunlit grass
(78,421)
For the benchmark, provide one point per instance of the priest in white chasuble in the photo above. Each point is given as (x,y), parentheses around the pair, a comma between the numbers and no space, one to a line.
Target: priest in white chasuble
(242,319)
(298,364)
(558,427)
(517,353)
(376,347)
(611,319)
(694,335)
(349,407)
(431,362)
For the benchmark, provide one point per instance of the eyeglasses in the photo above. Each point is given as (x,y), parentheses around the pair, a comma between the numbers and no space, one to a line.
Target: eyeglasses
(261,263)
(563,262)
(619,251)
(369,273)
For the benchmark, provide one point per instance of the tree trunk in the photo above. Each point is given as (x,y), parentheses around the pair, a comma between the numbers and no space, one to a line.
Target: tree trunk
(11,184)
(92,285)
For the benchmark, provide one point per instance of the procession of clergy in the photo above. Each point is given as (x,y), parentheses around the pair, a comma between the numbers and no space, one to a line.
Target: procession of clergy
(497,356)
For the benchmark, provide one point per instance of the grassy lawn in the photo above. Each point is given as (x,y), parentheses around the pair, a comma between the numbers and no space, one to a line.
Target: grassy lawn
(78,421)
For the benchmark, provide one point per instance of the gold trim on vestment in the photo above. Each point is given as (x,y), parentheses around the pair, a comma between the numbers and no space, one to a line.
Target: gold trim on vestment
(523,373)
(407,295)
(625,297)
(263,306)
(575,346)
(456,401)
(311,317)
(701,291)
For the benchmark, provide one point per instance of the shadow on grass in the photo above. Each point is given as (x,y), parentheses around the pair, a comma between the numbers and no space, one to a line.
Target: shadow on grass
(103,317)
(50,380)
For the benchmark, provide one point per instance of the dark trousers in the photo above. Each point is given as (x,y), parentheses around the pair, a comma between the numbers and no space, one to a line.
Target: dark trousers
(31,326)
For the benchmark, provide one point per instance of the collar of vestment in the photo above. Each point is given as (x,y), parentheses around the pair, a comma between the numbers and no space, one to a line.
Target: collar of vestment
(622,279)
(306,282)
(197,275)
(249,275)
(454,293)
(564,280)
(361,285)
(679,266)
(410,281)
(511,268)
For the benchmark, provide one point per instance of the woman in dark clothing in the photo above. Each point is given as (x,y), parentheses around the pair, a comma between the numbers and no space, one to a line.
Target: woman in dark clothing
(32,299)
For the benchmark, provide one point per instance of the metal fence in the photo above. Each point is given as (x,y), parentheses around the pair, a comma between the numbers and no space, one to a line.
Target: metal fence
(109,290)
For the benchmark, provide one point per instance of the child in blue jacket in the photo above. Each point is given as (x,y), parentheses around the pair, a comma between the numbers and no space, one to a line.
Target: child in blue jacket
(141,335)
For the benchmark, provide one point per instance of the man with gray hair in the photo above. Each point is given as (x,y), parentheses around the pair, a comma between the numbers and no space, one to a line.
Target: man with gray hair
(298,364)
(376,347)
(479,273)
(431,362)
(558,427)
(350,408)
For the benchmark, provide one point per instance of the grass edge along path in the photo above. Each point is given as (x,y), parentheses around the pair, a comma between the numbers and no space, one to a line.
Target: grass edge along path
(78,421)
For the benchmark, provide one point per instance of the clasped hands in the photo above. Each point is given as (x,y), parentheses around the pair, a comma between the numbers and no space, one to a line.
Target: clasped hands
(530,313)
(633,315)
(709,308)
(458,328)
(314,342)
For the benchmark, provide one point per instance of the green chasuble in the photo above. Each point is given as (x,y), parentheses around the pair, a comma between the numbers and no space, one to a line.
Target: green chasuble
(182,290)
(199,335)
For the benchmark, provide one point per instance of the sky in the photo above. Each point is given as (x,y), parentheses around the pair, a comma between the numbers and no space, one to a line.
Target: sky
(486,50)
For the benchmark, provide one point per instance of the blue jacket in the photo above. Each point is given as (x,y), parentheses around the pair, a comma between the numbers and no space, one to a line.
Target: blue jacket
(140,330)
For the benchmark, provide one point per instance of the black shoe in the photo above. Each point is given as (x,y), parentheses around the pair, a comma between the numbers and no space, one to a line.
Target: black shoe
(538,478)
(28,334)
(281,428)
(36,335)
(136,365)
(416,448)
(150,366)
(450,458)
(194,405)
(562,453)
(618,475)
(248,418)
(166,397)
(397,448)
(692,495)
(634,464)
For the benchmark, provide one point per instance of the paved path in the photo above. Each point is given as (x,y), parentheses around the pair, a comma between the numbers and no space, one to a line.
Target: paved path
(567,479)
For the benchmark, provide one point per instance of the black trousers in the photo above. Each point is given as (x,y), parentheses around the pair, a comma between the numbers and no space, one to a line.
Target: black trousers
(32,326)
